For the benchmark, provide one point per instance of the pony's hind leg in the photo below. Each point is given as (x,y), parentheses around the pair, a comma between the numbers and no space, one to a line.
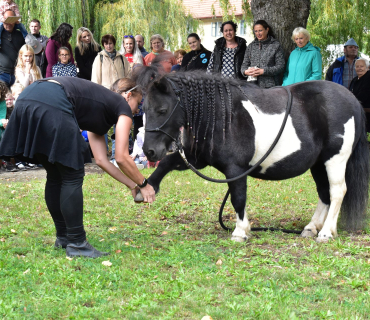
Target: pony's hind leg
(238,193)
(336,171)
(322,185)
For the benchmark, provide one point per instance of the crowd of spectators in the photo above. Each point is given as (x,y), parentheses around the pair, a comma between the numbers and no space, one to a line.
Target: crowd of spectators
(26,57)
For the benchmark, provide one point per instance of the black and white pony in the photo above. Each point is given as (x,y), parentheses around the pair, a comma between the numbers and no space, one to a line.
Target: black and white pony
(230,125)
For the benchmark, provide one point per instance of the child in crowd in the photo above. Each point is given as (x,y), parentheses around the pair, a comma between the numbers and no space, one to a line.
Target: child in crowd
(6,5)
(179,55)
(138,154)
(16,89)
(26,71)
(64,66)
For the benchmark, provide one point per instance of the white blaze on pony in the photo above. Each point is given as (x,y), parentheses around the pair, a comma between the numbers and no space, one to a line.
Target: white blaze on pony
(267,127)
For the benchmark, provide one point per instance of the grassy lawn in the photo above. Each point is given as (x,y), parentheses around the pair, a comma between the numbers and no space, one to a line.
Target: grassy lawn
(171,259)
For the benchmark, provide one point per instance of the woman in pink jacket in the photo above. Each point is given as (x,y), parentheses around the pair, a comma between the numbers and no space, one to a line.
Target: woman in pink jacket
(60,38)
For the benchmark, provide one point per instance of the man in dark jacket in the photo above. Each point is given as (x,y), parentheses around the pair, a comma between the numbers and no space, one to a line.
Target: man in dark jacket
(35,27)
(140,43)
(11,42)
(342,71)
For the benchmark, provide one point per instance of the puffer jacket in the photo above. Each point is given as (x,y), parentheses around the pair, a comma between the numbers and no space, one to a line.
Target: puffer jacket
(106,72)
(304,64)
(238,58)
(267,55)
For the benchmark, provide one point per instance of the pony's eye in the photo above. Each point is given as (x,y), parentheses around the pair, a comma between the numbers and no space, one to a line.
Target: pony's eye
(162,111)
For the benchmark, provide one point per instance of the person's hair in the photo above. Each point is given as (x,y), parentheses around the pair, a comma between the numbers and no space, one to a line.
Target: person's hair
(140,36)
(16,89)
(108,37)
(63,34)
(66,49)
(195,35)
(3,90)
(178,52)
(232,23)
(36,20)
(25,48)
(137,56)
(364,60)
(82,46)
(299,30)
(124,84)
(155,37)
(265,25)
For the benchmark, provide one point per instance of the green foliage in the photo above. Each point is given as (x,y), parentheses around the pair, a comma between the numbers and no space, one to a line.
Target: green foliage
(147,17)
(335,21)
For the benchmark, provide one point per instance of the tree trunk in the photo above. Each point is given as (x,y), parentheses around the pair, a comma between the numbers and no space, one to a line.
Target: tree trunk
(283,16)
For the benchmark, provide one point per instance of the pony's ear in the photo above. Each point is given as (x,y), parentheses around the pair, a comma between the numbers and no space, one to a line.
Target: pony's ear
(162,85)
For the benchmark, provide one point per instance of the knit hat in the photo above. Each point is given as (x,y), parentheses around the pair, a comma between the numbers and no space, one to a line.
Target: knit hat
(351,42)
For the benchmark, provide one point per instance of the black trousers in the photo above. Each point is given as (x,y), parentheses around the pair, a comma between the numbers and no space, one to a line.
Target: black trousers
(64,199)
(138,123)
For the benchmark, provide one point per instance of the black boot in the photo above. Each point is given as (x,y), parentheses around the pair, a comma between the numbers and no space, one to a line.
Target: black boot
(61,242)
(83,249)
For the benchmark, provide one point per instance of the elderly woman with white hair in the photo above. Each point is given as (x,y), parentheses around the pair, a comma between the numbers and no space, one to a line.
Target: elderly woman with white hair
(305,62)
(360,87)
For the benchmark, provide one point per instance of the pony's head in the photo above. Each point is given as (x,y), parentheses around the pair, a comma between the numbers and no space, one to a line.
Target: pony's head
(164,117)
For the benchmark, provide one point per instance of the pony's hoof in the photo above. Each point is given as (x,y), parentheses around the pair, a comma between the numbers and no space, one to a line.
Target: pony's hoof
(324,238)
(139,197)
(308,233)
(239,239)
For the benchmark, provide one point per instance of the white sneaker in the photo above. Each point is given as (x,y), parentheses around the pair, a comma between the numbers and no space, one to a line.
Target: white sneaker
(21,166)
(113,161)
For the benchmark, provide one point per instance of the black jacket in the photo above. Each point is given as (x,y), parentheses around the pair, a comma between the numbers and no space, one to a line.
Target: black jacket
(238,58)
(85,62)
(196,60)
(360,88)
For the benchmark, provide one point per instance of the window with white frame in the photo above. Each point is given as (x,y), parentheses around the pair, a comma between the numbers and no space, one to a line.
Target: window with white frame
(216,29)
(243,28)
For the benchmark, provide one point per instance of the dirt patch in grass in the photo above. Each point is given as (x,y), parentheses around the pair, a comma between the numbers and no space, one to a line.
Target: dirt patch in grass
(39,173)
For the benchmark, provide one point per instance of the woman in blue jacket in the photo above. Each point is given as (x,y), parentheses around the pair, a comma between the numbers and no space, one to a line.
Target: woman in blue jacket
(305,62)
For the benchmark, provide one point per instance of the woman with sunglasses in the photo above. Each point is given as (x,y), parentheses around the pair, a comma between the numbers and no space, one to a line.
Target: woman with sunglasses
(45,128)
(131,51)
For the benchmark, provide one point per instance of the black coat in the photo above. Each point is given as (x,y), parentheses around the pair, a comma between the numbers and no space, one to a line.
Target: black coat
(360,87)
(85,62)
(238,58)
(196,60)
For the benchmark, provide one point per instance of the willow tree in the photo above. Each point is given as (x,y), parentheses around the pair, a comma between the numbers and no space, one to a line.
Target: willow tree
(51,13)
(335,21)
(147,17)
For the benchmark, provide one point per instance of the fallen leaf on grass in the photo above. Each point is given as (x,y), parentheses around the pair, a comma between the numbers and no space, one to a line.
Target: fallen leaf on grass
(155,277)
(2,239)
(118,251)
(127,243)
(219,262)
(28,270)
(69,258)
(164,233)
(113,229)
(207,318)
(101,240)
(106,263)
(13,191)
(12,230)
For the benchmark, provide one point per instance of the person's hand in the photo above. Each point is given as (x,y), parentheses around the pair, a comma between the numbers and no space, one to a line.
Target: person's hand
(249,72)
(27,67)
(148,193)
(258,72)
(4,122)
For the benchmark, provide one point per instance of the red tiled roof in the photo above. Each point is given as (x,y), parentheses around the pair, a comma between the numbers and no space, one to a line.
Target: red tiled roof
(202,9)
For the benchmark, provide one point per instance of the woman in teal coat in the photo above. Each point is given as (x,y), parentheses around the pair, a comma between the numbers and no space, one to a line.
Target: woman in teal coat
(305,62)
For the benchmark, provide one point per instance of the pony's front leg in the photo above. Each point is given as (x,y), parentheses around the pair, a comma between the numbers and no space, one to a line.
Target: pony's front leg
(238,191)
(167,164)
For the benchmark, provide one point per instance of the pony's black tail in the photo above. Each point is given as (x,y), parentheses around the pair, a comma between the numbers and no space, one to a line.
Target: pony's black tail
(354,206)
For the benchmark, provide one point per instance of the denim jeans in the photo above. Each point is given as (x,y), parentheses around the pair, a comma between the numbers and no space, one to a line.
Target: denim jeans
(8,78)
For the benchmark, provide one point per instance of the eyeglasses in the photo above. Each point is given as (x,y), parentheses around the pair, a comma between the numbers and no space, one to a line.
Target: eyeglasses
(129,36)
(64,55)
